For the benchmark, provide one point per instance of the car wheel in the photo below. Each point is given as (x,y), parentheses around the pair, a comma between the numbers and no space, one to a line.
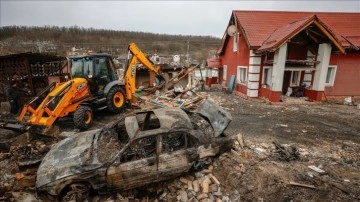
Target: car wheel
(83,117)
(77,192)
(115,99)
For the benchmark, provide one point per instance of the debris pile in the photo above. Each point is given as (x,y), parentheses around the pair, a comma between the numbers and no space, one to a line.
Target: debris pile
(199,186)
(167,100)
(171,94)
(287,152)
(326,138)
(20,156)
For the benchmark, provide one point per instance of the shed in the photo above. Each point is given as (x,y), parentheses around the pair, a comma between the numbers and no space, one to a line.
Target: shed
(30,70)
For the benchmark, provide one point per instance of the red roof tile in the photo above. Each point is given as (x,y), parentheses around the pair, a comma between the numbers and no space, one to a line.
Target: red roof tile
(259,25)
(282,33)
(214,62)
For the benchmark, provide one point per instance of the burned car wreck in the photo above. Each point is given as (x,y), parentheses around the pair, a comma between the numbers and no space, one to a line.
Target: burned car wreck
(141,148)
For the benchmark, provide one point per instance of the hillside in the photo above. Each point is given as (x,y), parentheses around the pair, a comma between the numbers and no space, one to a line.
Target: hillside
(60,40)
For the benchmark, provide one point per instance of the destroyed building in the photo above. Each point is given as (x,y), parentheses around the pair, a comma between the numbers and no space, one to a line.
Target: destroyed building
(31,71)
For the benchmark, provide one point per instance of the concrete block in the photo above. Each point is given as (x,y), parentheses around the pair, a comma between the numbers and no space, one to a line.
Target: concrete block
(253,84)
(254,77)
(252,93)
(254,69)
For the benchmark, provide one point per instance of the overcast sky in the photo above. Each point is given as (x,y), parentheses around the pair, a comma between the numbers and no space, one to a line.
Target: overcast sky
(170,17)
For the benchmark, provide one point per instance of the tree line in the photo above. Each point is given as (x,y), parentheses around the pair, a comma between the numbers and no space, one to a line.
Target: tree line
(60,40)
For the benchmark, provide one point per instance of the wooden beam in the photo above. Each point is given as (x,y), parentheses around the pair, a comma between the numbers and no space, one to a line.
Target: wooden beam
(293,35)
(314,32)
(302,185)
(313,38)
(322,28)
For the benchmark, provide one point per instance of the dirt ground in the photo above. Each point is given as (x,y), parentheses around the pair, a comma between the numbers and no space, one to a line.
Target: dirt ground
(316,157)
(326,135)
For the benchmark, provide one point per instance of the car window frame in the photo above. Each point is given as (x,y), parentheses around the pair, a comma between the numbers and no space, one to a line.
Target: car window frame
(128,145)
(162,150)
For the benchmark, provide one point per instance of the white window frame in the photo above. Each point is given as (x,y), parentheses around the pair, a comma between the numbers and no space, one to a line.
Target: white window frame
(235,42)
(225,72)
(269,76)
(241,77)
(298,79)
(332,76)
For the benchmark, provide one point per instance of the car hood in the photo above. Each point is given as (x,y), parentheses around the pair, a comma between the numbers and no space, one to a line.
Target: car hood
(70,156)
(217,116)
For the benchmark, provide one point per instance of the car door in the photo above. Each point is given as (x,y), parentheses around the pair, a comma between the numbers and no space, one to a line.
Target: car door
(174,157)
(136,166)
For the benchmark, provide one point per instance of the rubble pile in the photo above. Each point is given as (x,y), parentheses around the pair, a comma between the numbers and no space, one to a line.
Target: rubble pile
(169,93)
(186,102)
(18,164)
(199,186)
(287,152)
(265,171)
(314,158)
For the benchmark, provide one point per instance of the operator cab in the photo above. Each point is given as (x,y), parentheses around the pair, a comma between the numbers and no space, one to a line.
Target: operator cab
(98,69)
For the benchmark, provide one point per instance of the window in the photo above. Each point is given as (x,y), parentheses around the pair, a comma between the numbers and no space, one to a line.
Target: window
(111,66)
(140,149)
(173,141)
(147,121)
(241,75)
(330,76)
(215,72)
(76,68)
(267,73)
(81,67)
(235,44)
(101,67)
(295,78)
(88,67)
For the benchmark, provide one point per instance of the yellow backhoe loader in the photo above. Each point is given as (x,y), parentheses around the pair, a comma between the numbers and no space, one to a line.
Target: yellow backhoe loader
(93,86)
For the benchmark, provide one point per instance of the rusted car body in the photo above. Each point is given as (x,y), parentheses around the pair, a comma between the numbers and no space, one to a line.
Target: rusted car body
(141,148)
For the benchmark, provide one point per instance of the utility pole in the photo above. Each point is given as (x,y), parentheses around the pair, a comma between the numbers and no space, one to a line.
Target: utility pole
(187,53)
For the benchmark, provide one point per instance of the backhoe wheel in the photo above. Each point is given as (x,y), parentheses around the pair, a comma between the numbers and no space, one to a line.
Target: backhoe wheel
(115,99)
(83,117)
(77,192)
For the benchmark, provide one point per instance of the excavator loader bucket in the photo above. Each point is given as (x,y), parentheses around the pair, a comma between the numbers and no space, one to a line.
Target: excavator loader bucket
(13,125)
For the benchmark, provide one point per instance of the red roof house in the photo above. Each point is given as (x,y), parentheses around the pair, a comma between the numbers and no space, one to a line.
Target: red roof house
(277,53)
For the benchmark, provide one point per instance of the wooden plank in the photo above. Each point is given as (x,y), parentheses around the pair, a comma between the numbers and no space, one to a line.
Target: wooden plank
(301,185)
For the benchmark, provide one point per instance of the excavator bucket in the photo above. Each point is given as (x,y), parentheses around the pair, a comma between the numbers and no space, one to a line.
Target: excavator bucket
(13,125)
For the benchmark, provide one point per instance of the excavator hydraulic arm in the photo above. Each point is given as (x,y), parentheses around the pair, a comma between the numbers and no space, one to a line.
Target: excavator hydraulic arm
(130,75)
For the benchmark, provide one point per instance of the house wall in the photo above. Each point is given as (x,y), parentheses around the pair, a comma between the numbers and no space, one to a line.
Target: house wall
(347,82)
(254,74)
(317,88)
(278,68)
(296,52)
(234,59)
(293,52)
